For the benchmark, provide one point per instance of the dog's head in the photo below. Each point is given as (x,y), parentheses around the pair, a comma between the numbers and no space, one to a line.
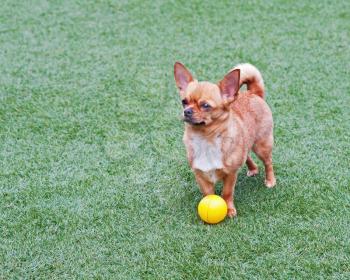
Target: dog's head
(205,102)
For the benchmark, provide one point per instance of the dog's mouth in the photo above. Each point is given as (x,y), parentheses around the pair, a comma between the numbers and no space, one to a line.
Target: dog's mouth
(193,122)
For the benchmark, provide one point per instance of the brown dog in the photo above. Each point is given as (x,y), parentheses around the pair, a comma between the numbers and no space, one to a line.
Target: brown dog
(222,125)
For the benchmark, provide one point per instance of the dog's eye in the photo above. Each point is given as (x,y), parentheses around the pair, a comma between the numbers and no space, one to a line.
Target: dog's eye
(205,106)
(184,102)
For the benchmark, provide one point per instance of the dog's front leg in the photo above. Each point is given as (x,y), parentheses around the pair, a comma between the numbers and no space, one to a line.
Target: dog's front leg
(205,185)
(228,193)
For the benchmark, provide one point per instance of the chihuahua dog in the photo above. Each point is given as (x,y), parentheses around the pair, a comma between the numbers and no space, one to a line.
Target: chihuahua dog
(222,126)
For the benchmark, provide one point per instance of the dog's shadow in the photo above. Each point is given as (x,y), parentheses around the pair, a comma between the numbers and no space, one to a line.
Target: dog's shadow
(245,184)
(248,190)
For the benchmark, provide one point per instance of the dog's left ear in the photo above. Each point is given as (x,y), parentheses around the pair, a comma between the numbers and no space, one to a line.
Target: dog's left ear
(229,85)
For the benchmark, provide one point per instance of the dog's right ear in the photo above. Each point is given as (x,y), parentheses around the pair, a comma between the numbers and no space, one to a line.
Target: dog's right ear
(182,76)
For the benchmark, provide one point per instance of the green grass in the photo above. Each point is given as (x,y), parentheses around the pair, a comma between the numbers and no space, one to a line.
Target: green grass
(94,182)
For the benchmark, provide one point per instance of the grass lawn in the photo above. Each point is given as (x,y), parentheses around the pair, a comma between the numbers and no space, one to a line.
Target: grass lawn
(94,182)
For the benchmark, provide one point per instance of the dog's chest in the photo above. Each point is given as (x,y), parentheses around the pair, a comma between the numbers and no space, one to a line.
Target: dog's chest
(207,155)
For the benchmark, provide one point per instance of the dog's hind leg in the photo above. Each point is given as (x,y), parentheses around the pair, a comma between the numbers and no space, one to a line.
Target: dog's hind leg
(252,167)
(263,149)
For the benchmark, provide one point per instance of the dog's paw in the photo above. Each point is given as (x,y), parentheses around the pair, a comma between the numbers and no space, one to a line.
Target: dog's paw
(270,183)
(231,212)
(252,172)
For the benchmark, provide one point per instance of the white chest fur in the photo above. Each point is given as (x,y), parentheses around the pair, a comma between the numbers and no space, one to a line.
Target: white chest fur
(207,155)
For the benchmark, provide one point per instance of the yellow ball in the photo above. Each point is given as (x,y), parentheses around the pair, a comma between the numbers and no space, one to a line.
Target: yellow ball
(212,209)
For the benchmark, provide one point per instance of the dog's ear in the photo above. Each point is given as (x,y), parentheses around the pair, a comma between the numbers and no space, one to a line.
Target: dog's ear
(182,76)
(229,85)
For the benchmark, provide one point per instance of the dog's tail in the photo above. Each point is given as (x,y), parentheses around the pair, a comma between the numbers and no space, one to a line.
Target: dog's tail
(251,76)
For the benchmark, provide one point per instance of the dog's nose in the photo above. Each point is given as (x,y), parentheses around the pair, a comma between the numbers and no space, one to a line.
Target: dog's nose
(188,112)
